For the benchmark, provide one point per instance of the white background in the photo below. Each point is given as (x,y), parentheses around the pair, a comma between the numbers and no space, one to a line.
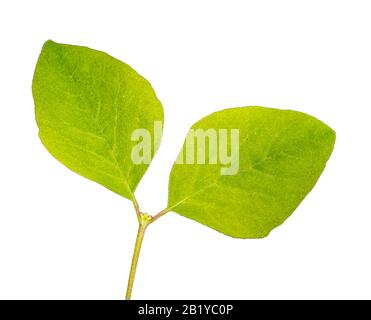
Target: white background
(65,237)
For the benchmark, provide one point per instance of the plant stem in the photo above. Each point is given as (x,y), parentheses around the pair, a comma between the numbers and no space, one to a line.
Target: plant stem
(144,220)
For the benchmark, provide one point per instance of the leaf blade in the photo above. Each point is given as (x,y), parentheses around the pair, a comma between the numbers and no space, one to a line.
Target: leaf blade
(87,104)
(282,155)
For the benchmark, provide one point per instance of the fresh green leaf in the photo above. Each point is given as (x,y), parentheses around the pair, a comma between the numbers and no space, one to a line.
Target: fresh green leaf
(281,155)
(87,106)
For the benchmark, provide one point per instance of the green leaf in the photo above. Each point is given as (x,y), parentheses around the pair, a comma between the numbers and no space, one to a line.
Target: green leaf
(281,155)
(87,106)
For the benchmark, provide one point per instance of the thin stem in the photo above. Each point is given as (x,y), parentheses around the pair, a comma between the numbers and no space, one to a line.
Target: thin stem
(136,206)
(160,214)
(144,220)
(143,223)
(166,210)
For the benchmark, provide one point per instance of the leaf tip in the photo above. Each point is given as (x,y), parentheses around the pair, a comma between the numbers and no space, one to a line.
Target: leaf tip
(49,42)
(331,136)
